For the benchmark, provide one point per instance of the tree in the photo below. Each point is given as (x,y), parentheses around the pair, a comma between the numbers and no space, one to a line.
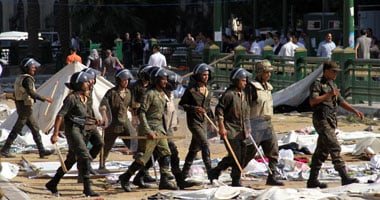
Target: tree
(62,23)
(33,25)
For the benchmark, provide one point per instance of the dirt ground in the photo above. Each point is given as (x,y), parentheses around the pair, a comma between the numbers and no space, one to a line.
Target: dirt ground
(70,189)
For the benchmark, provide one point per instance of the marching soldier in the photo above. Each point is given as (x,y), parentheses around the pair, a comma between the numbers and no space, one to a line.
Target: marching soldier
(25,95)
(259,96)
(196,102)
(324,99)
(232,113)
(74,114)
(151,124)
(119,101)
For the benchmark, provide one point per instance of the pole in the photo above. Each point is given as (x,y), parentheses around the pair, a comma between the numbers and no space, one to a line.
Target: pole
(52,95)
(348,24)
(102,160)
(227,143)
(261,155)
(64,169)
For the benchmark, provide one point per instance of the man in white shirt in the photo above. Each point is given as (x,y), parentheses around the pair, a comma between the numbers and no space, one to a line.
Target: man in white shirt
(288,48)
(325,47)
(157,59)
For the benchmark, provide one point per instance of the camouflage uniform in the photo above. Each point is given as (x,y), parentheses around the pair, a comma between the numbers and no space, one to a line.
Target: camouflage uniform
(234,111)
(25,94)
(325,123)
(197,123)
(120,124)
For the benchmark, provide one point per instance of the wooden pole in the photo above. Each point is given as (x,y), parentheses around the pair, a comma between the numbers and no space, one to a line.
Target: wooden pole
(52,95)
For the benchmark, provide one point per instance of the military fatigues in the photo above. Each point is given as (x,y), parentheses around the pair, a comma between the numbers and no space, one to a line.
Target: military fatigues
(261,112)
(25,95)
(234,111)
(92,133)
(325,123)
(197,123)
(151,121)
(74,112)
(119,103)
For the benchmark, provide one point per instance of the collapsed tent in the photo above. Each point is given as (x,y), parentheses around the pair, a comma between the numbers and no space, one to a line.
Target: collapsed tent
(370,145)
(296,93)
(54,87)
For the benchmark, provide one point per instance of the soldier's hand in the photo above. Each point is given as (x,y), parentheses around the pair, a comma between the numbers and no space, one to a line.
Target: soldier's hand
(48,99)
(151,136)
(200,109)
(54,138)
(359,114)
(222,132)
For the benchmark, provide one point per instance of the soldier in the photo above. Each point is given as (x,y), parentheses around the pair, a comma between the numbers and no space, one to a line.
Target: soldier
(324,99)
(118,100)
(171,122)
(232,113)
(25,95)
(196,102)
(151,124)
(93,136)
(139,89)
(74,114)
(260,100)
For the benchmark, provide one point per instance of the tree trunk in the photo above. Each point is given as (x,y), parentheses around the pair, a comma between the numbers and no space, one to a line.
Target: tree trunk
(63,27)
(33,23)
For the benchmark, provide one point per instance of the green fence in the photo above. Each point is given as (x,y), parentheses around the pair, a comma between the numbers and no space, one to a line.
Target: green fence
(359,80)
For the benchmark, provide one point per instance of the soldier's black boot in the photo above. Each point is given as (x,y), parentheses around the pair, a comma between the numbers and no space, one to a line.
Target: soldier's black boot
(87,188)
(236,182)
(188,162)
(7,146)
(345,178)
(313,181)
(271,180)
(164,163)
(182,183)
(52,184)
(139,179)
(165,184)
(148,178)
(214,173)
(124,178)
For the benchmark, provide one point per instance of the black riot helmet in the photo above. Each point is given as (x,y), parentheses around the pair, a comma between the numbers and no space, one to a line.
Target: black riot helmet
(123,74)
(144,72)
(27,62)
(237,74)
(173,80)
(92,71)
(157,74)
(200,68)
(77,80)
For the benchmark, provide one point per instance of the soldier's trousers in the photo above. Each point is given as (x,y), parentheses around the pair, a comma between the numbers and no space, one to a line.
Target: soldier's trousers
(239,148)
(93,136)
(327,144)
(25,117)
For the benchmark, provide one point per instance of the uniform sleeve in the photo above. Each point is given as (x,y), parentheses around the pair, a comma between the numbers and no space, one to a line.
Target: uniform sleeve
(67,105)
(223,103)
(315,90)
(185,101)
(28,84)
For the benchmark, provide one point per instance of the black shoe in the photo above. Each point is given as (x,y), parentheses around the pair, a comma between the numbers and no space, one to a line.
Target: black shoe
(186,184)
(236,183)
(124,182)
(213,174)
(167,186)
(7,154)
(348,181)
(51,187)
(91,193)
(149,179)
(315,184)
(271,180)
(44,153)
(139,181)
